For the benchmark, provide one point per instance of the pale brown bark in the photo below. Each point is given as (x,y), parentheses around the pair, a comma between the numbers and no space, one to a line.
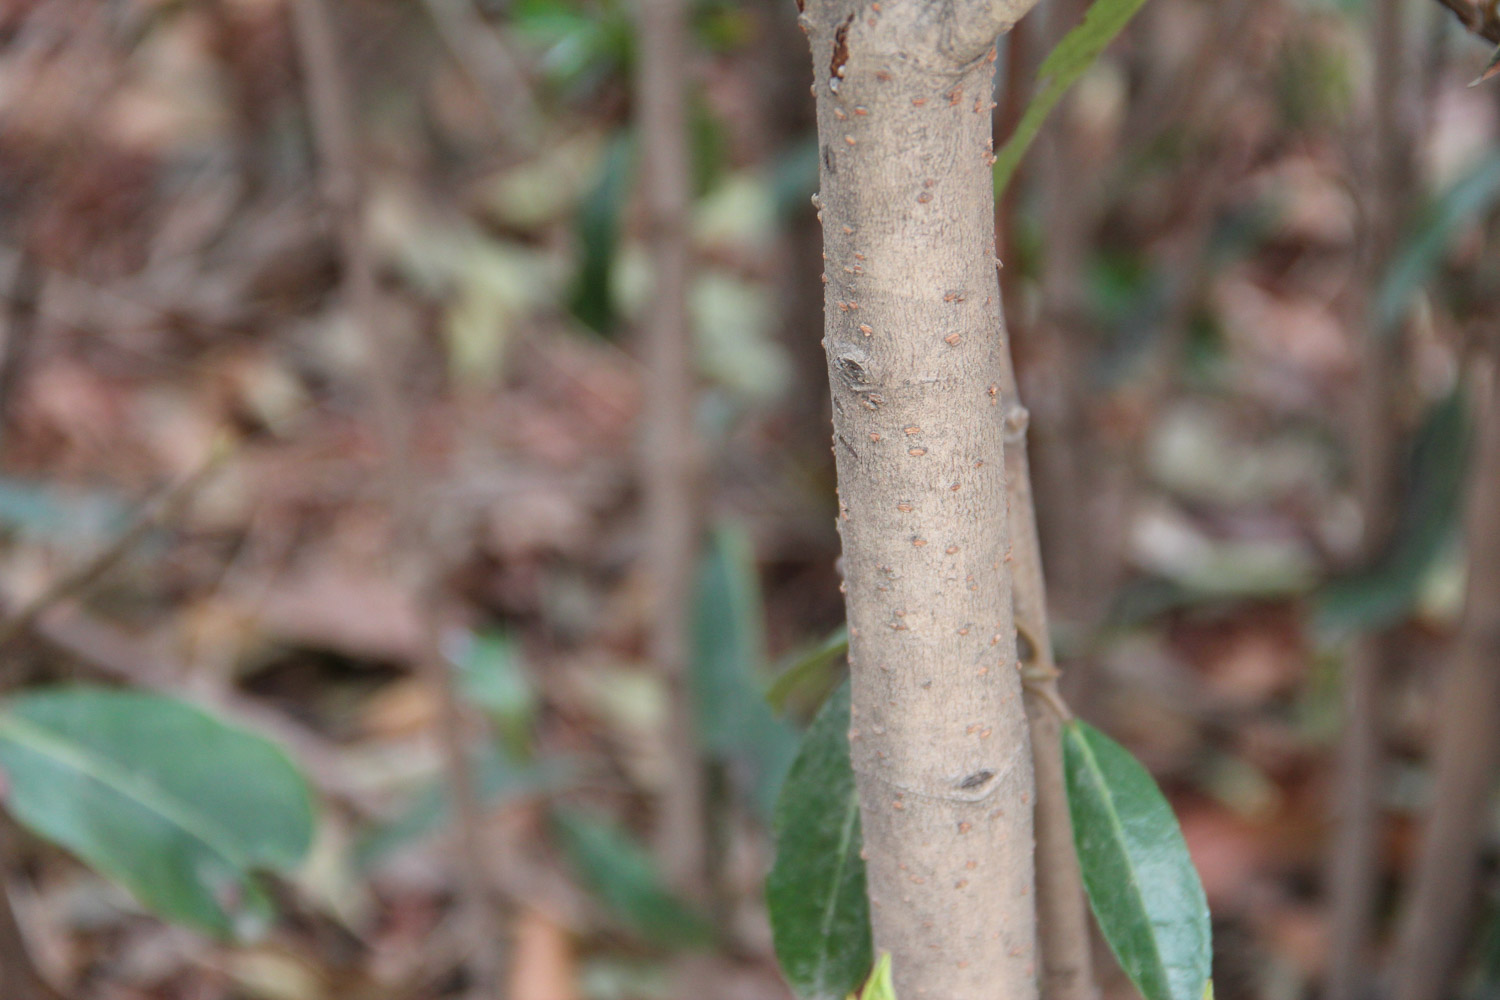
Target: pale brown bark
(1445,885)
(668,467)
(938,734)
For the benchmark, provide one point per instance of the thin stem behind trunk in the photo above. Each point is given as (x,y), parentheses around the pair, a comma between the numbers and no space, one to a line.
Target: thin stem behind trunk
(1443,895)
(668,466)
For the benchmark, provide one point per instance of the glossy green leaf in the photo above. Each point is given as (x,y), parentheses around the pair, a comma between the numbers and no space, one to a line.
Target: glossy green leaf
(820,916)
(1384,592)
(735,724)
(1060,70)
(176,805)
(1141,882)
(811,672)
(1465,203)
(617,871)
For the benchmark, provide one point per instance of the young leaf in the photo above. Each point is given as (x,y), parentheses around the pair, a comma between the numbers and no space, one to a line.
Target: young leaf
(1060,70)
(176,805)
(1141,882)
(622,876)
(880,987)
(820,917)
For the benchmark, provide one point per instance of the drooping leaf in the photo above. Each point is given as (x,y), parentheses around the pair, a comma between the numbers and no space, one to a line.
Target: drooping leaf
(178,806)
(735,724)
(1385,591)
(1059,71)
(811,671)
(1463,204)
(1141,882)
(820,916)
(617,871)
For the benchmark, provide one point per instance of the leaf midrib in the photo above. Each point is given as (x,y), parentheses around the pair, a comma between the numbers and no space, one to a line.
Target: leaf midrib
(40,740)
(830,908)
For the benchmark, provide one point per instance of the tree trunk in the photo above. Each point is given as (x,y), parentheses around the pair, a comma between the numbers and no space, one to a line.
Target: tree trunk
(913,335)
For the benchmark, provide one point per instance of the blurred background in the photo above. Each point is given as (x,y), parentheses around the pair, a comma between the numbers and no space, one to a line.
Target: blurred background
(322,396)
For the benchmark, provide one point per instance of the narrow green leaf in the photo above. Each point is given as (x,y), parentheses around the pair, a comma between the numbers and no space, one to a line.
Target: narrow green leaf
(176,805)
(820,917)
(810,671)
(592,298)
(735,724)
(1141,882)
(616,870)
(1385,591)
(1060,70)
(1464,203)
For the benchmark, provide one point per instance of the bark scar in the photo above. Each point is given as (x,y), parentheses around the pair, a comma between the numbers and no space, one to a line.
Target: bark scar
(975,787)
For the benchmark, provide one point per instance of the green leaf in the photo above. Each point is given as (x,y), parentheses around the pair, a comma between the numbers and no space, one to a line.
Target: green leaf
(812,671)
(880,986)
(1141,882)
(1465,203)
(1060,70)
(820,916)
(1384,592)
(176,805)
(492,677)
(735,724)
(592,298)
(616,870)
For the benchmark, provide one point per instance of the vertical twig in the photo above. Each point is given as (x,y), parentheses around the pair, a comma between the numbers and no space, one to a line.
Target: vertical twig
(1443,887)
(668,465)
(333,123)
(1353,872)
(20,331)
(1062,917)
